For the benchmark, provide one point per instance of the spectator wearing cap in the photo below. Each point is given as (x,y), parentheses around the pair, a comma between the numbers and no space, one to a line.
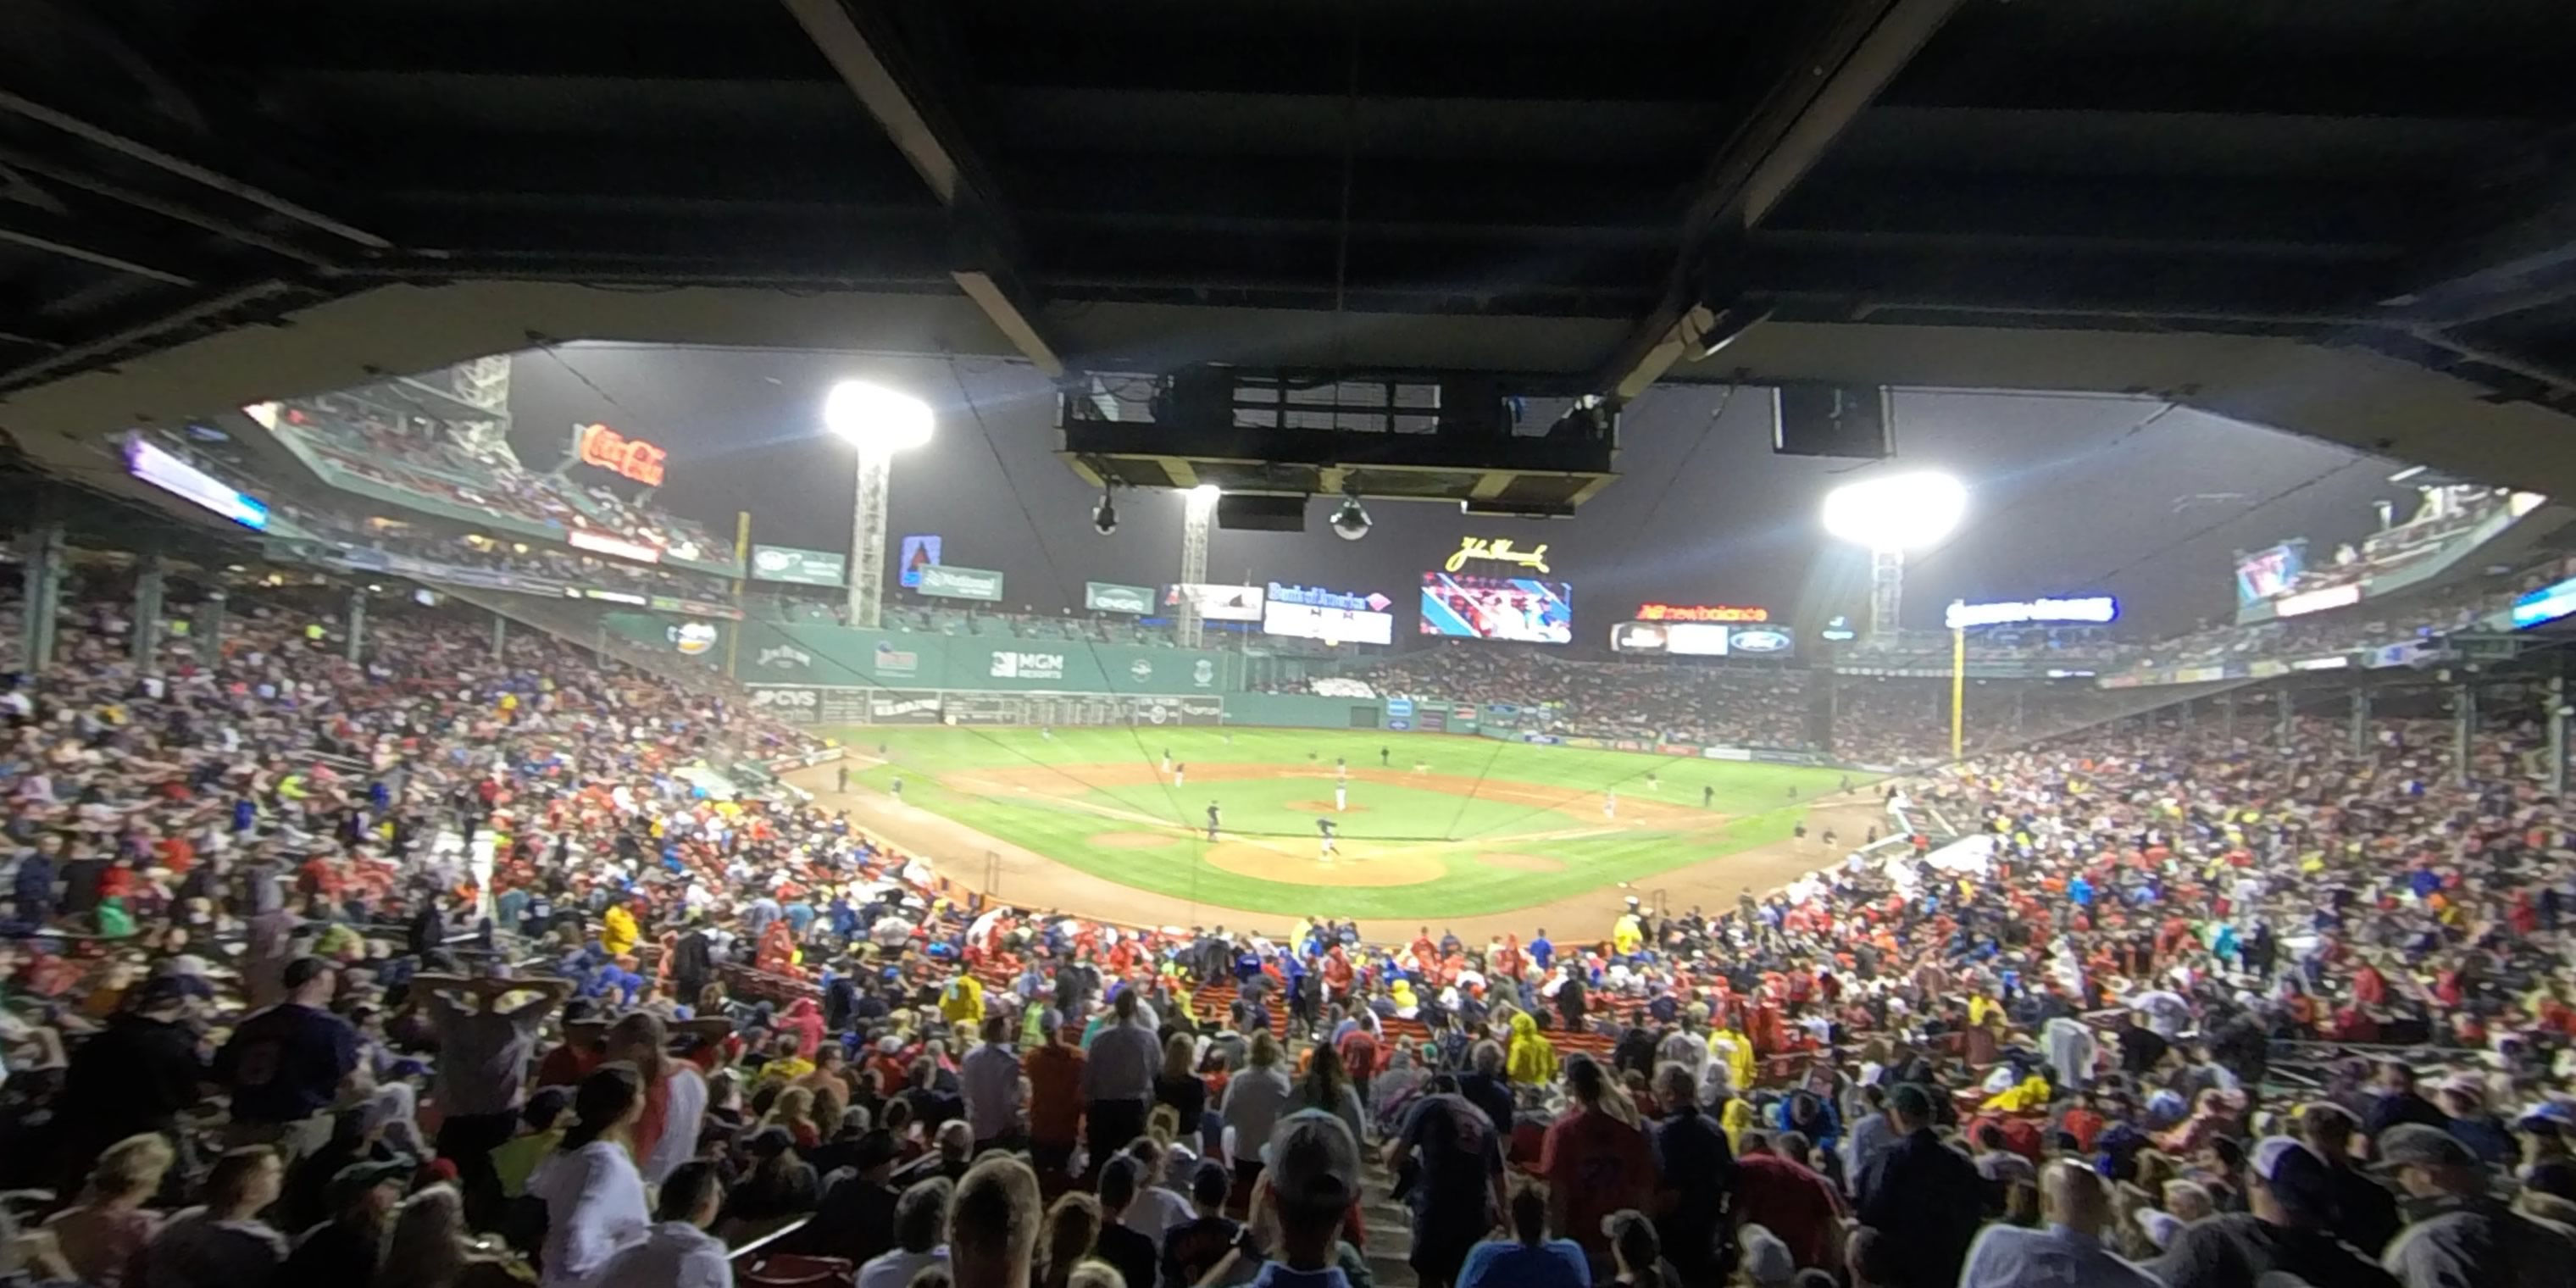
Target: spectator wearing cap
(2467,1118)
(856,1220)
(2457,1232)
(138,1075)
(1529,1259)
(342,1249)
(2289,1232)
(1922,1194)
(679,1253)
(1767,1262)
(1636,1254)
(285,1065)
(919,1215)
(1313,1174)
(2068,1252)
(780,1185)
(2365,1210)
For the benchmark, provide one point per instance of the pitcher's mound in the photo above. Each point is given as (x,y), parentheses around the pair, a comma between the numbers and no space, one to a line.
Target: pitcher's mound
(1324,808)
(1130,840)
(1359,864)
(1521,862)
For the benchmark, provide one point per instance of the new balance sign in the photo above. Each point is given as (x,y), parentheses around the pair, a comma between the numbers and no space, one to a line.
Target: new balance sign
(1028,666)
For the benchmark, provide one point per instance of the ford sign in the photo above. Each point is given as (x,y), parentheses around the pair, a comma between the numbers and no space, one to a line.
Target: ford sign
(1758,641)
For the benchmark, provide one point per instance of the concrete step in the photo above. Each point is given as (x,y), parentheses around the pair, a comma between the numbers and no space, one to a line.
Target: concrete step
(1390,1272)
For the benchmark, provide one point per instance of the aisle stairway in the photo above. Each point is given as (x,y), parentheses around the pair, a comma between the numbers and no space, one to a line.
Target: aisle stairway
(1390,1226)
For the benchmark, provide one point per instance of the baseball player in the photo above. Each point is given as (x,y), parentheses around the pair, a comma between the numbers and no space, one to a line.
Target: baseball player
(1325,827)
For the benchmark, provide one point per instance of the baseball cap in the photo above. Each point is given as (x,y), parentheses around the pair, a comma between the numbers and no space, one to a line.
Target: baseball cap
(2295,1174)
(1911,1100)
(1313,1161)
(1766,1258)
(1634,1236)
(2417,1145)
(357,1178)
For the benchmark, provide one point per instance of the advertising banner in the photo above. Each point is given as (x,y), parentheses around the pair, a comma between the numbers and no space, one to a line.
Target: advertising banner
(1216,603)
(1770,756)
(1727,753)
(1333,616)
(1760,641)
(2269,574)
(1431,719)
(951,582)
(1111,597)
(918,551)
(902,706)
(801,706)
(783,657)
(1678,749)
(800,567)
(1541,739)
(886,659)
(1521,609)
(1730,613)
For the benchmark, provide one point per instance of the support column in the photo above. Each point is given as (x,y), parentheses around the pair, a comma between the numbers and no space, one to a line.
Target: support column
(500,635)
(2464,710)
(357,622)
(867,539)
(151,584)
(2281,727)
(2558,736)
(2360,720)
(208,629)
(2227,717)
(1198,514)
(42,549)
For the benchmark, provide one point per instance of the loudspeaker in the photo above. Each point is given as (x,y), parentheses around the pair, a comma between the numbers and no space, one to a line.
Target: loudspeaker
(1833,420)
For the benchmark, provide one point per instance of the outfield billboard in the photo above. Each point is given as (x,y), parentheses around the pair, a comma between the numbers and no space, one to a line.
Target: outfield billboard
(1216,603)
(799,567)
(1522,609)
(919,551)
(1112,597)
(951,582)
(1333,616)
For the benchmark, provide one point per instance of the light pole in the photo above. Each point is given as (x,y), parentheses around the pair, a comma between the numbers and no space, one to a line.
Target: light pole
(878,422)
(1198,511)
(1891,515)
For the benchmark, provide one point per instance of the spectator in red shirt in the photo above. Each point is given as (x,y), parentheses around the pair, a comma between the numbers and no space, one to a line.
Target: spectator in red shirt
(1790,1200)
(1596,1161)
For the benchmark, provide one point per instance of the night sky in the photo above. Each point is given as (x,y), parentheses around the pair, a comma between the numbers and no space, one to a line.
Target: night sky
(2067,495)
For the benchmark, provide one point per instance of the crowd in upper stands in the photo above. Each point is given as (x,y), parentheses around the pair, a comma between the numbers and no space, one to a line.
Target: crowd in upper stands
(271,1018)
(1702,705)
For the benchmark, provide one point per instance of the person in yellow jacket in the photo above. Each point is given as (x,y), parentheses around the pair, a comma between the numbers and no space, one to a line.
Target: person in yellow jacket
(1627,938)
(2029,1095)
(617,932)
(1982,1008)
(1531,1057)
(1735,1120)
(962,1003)
(1735,1051)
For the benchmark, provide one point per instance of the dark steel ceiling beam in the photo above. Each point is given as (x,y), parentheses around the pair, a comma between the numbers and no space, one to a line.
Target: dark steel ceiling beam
(1842,57)
(870,61)
(89,244)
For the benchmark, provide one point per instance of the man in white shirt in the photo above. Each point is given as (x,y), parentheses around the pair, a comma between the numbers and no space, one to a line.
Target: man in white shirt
(678,1252)
(1118,1078)
(996,1094)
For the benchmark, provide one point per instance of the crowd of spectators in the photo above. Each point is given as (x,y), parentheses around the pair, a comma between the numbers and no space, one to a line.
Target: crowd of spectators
(1752,706)
(273,1016)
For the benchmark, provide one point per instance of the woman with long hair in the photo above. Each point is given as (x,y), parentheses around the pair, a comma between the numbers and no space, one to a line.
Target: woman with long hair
(1254,1099)
(674,1095)
(594,1195)
(100,1234)
(1179,1086)
(1072,1228)
(1328,1088)
(794,1111)
(429,1247)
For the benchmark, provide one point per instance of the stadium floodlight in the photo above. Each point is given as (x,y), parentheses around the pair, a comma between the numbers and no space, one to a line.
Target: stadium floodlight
(879,422)
(1202,498)
(1897,512)
(876,419)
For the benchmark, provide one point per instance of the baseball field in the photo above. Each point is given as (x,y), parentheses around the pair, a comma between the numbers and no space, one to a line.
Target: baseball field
(1425,826)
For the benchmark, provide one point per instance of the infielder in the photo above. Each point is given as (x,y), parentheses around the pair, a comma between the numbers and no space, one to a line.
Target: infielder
(1325,827)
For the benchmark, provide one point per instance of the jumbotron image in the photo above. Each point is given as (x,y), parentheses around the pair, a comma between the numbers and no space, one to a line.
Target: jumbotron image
(1837,644)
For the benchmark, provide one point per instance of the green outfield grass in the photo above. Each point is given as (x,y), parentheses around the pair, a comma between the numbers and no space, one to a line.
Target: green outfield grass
(1468,836)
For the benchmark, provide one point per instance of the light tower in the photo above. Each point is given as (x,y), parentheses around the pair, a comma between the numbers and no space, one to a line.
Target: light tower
(1890,516)
(878,422)
(1198,512)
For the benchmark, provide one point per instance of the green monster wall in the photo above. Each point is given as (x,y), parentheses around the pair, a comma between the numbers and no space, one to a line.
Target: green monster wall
(805,653)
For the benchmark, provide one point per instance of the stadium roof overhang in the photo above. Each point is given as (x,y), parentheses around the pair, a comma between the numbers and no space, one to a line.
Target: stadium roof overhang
(2349,221)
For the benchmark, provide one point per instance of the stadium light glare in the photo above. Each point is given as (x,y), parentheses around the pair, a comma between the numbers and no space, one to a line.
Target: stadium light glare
(1202,498)
(875,418)
(1897,512)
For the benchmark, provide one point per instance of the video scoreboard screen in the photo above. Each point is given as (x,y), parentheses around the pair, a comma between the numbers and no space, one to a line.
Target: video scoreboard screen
(1522,609)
